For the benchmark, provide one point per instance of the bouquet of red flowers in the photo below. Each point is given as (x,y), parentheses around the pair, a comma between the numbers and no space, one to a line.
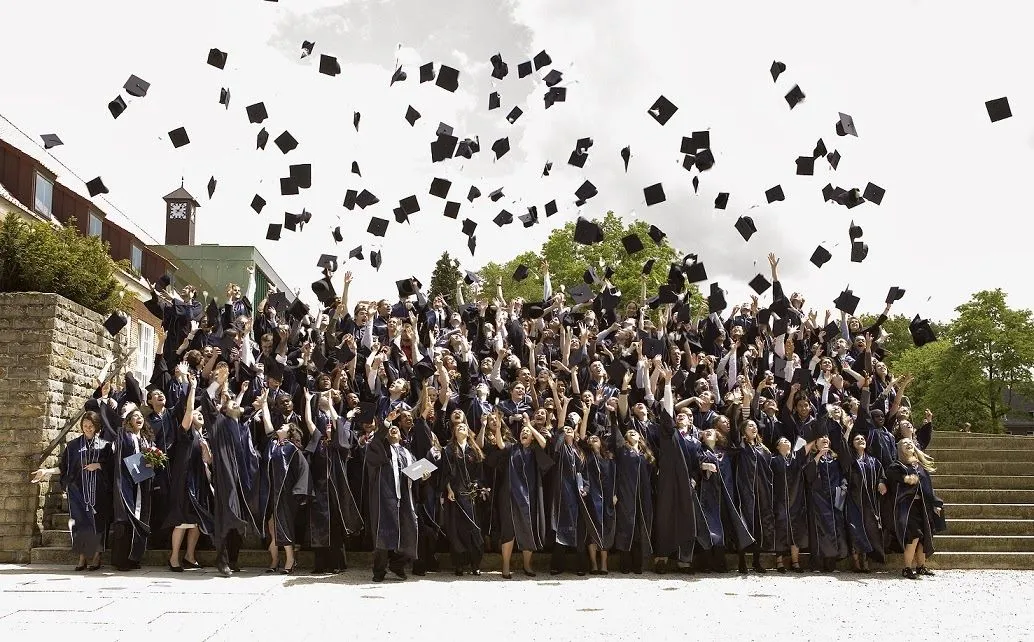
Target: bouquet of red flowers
(155,458)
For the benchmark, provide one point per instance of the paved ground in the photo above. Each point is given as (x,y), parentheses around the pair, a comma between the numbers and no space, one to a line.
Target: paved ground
(38,602)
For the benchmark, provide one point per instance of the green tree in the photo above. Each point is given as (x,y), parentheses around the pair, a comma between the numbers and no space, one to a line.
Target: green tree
(36,256)
(443,279)
(946,383)
(900,339)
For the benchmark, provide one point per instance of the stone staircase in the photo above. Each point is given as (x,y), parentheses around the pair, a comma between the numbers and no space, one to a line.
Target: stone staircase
(986,482)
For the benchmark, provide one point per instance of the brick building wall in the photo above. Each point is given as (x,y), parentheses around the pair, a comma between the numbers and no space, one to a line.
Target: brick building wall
(51,350)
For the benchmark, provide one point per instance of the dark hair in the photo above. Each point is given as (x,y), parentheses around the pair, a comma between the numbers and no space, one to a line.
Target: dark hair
(93,418)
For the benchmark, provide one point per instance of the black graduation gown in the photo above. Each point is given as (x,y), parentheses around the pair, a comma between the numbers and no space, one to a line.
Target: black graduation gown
(393,520)
(914,515)
(824,479)
(461,470)
(676,528)
(789,502)
(132,500)
(333,513)
(518,494)
(288,485)
(89,492)
(634,489)
(164,427)
(862,510)
(235,467)
(190,499)
(565,495)
(754,488)
(598,505)
(723,521)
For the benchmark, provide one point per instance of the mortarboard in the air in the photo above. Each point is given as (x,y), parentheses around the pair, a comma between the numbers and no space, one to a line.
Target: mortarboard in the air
(745,226)
(356,253)
(412,115)
(589,277)
(774,194)
(114,323)
(760,284)
(51,140)
(297,310)
(551,208)
(531,218)
(452,209)
(375,259)
(136,87)
(366,199)
(398,76)
(699,140)
(493,101)
(874,193)
(586,191)
(521,273)
(500,147)
(179,137)
(776,69)
(466,148)
(846,125)
(349,202)
(859,251)
(295,222)
(378,226)
(834,159)
(443,128)
(355,168)
(448,78)
(211,186)
(895,294)
(552,78)
(338,237)
(695,273)
(514,114)
(648,266)
(581,293)
(656,234)
(224,97)
(805,166)
(554,95)
(256,113)
(721,201)
(327,261)
(632,244)
(998,109)
(261,139)
(541,60)
(96,186)
(470,278)
(820,149)
(820,256)
(443,147)
(288,187)
(854,231)
(654,194)
(329,65)
(356,117)
(427,72)
(850,198)
(696,184)
(499,68)
(469,226)
(324,290)
(846,302)
(273,231)
(400,215)
(921,332)
(307,48)
(524,69)
(832,330)
(794,96)
(828,192)
(117,106)
(472,244)
(277,301)
(217,58)
(495,194)
(704,160)
(440,187)
(578,158)
(662,110)
(410,204)
(301,174)
(626,154)
(473,193)
(285,142)
(675,277)
(587,232)
(503,218)
(405,287)
(716,300)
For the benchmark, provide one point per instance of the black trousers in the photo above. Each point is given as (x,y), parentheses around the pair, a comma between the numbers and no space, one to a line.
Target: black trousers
(383,560)
(558,559)
(228,549)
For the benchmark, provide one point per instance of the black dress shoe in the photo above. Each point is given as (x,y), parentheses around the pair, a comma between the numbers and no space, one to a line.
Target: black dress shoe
(272,569)
(175,569)
(909,574)
(288,571)
(530,573)
(476,572)
(81,567)
(507,576)
(95,567)
(378,577)
(922,570)
(191,564)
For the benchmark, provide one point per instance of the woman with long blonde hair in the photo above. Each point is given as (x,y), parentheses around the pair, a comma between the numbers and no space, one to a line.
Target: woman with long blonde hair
(916,508)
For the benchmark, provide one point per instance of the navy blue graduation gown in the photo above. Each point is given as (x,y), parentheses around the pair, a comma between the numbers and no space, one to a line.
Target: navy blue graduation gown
(132,500)
(287,485)
(678,462)
(634,489)
(190,497)
(598,504)
(235,468)
(393,520)
(461,470)
(518,494)
(333,512)
(89,492)
(721,517)
(824,479)
(914,514)
(754,488)
(565,496)
(789,502)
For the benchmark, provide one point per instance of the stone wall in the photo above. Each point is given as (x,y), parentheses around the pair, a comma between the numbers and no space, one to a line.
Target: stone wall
(51,350)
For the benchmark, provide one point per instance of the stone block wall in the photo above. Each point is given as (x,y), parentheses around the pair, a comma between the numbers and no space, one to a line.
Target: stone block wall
(51,351)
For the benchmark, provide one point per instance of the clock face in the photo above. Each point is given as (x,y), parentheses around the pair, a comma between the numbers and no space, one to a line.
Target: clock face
(178,210)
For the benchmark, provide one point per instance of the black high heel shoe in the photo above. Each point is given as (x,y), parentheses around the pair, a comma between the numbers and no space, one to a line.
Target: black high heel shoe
(175,569)
(530,573)
(81,567)
(288,571)
(191,564)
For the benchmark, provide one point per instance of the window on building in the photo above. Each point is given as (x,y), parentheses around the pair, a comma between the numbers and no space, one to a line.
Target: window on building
(136,257)
(44,196)
(95,226)
(144,352)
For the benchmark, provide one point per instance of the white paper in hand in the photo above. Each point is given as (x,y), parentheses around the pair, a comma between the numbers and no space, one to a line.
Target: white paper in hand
(800,444)
(417,470)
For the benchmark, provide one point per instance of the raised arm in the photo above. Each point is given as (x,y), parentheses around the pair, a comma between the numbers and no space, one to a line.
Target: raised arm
(188,407)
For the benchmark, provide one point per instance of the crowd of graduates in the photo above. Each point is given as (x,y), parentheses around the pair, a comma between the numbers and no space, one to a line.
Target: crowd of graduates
(616,424)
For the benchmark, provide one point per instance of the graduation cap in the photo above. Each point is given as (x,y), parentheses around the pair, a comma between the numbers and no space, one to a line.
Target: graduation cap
(410,205)
(470,278)
(745,226)
(805,166)
(375,259)
(503,218)
(828,192)
(472,244)
(514,114)
(541,60)
(859,251)
(586,191)
(776,69)
(467,148)
(552,78)
(211,186)
(834,159)
(337,234)
(427,72)
(117,106)
(473,193)
(654,194)
(398,76)
(277,301)
(820,256)
(288,187)
(356,117)
(656,234)
(224,97)
(499,68)
(405,287)
(716,300)
(524,69)
(356,253)
(854,231)
(846,302)
(832,329)
(846,126)
(587,232)
(495,194)
(324,290)
(217,58)
(998,109)
(721,201)
(760,284)
(355,169)
(520,273)
(307,48)
(794,96)
(366,199)
(662,110)
(136,87)
(469,226)
(327,262)
(350,196)
(675,278)
(448,78)
(696,183)
(301,174)
(443,147)
(581,293)
(493,101)
(895,294)
(921,332)
(400,215)
(452,209)
(551,208)
(261,139)
(531,218)
(50,140)
(114,323)
(555,95)
(329,65)
(849,198)
(874,193)
(298,310)
(256,113)
(775,194)
(96,186)
(295,222)
(578,158)
(440,187)
(695,273)
(412,115)
(273,231)
(378,226)
(179,137)
(632,244)
(285,142)
(704,160)
(500,147)
(820,149)
(648,266)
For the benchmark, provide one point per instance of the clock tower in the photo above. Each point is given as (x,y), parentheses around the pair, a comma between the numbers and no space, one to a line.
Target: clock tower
(180,212)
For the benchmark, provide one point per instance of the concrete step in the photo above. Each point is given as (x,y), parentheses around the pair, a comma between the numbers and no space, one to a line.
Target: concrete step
(57,537)
(990,526)
(989,511)
(984,543)
(981,454)
(58,521)
(982,560)
(978,440)
(982,482)
(984,467)
(984,496)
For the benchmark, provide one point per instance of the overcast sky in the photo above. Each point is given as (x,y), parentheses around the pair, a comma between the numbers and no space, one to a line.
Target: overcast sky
(913,74)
